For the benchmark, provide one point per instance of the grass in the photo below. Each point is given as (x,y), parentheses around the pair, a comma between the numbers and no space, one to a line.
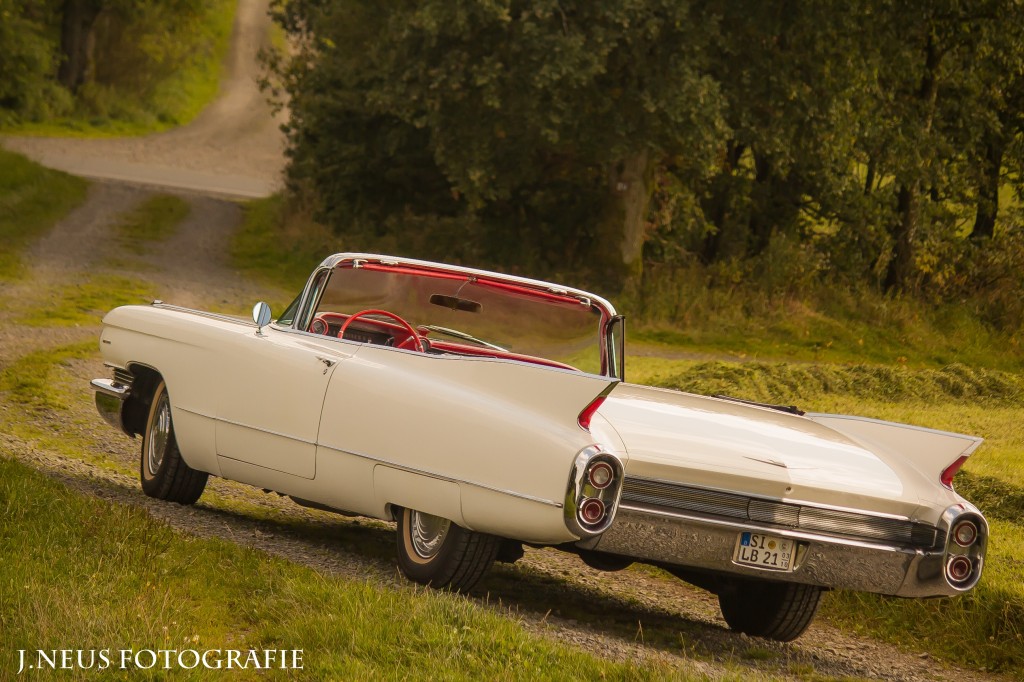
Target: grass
(840,327)
(983,629)
(153,221)
(36,392)
(32,198)
(84,303)
(280,246)
(86,573)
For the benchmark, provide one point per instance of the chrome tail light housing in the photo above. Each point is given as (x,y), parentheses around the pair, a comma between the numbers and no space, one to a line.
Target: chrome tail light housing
(592,496)
(966,541)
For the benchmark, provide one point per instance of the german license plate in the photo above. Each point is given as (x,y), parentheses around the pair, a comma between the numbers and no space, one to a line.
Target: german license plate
(764,551)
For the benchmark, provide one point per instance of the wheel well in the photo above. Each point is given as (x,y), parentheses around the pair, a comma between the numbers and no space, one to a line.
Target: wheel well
(136,408)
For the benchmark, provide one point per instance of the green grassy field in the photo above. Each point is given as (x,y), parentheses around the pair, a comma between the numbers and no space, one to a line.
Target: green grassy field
(101,575)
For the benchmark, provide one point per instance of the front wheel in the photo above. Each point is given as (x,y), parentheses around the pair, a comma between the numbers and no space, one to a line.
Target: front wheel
(779,611)
(163,472)
(434,551)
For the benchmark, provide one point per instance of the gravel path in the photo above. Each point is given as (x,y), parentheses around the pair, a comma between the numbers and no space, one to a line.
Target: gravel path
(233,149)
(636,614)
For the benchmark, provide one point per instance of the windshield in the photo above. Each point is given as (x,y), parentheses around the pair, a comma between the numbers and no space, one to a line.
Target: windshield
(457,312)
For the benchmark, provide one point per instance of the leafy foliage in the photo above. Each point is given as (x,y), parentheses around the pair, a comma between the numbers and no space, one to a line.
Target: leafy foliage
(110,63)
(505,120)
(878,141)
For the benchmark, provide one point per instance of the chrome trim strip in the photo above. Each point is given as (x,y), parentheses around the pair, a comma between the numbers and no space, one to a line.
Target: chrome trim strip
(386,462)
(741,525)
(203,313)
(697,502)
(442,477)
(550,287)
(768,498)
(248,426)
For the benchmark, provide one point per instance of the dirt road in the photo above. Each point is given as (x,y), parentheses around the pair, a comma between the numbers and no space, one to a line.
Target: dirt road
(636,614)
(234,148)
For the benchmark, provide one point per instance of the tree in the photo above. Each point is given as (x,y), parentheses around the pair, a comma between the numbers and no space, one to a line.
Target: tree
(27,58)
(77,20)
(495,101)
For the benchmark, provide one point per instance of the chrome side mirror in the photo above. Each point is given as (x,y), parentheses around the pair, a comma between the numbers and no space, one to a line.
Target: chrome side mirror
(261,316)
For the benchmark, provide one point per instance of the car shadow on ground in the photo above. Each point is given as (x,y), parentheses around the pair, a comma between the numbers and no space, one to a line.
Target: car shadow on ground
(515,588)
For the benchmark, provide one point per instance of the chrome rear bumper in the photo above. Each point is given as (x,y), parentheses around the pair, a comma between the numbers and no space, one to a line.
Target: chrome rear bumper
(709,544)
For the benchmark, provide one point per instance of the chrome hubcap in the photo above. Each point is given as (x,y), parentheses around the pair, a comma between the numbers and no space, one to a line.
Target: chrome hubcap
(159,434)
(428,533)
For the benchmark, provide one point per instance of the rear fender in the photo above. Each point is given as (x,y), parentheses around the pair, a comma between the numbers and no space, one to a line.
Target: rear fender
(933,453)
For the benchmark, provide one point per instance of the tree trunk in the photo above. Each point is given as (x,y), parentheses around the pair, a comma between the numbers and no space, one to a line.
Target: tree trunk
(716,206)
(629,182)
(869,179)
(988,191)
(902,264)
(79,16)
(904,228)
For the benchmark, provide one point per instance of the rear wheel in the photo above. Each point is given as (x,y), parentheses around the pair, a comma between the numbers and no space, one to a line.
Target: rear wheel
(779,611)
(163,472)
(434,551)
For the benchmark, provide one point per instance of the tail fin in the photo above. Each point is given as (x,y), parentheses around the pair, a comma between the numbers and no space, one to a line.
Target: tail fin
(934,453)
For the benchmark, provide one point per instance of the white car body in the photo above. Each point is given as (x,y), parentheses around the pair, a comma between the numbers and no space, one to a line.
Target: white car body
(495,443)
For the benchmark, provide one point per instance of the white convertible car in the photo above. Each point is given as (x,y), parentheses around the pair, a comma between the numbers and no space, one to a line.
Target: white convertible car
(483,412)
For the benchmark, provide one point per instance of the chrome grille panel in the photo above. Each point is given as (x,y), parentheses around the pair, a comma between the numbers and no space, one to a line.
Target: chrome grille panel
(646,493)
(123,377)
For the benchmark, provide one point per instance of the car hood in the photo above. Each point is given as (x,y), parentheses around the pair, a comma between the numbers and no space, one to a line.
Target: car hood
(716,443)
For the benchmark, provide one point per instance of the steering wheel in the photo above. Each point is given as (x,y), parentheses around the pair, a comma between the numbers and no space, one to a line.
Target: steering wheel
(417,343)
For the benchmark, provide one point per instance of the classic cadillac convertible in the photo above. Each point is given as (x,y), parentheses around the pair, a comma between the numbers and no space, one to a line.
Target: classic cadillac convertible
(483,412)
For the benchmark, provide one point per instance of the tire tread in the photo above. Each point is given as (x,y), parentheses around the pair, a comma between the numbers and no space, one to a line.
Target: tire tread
(176,481)
(780,611)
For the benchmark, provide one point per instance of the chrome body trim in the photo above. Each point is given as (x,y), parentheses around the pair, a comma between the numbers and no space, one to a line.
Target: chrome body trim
(387,462)
(247,426)
(110,395)
(669,497)
(203,313)
(586,298)
(442,477)
(580,489)
(706,544)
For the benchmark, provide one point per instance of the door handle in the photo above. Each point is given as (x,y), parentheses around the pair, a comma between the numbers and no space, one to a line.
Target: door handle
(329,363)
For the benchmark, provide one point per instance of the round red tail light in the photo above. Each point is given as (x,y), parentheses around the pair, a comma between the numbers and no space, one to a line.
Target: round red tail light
(601,475)
(965,533)
(592,510)
(959,569)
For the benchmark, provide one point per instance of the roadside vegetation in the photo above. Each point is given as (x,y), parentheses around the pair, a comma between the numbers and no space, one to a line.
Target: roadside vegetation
(100,575)
(280,245)
(110,67)
(32,198)
(153,221)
